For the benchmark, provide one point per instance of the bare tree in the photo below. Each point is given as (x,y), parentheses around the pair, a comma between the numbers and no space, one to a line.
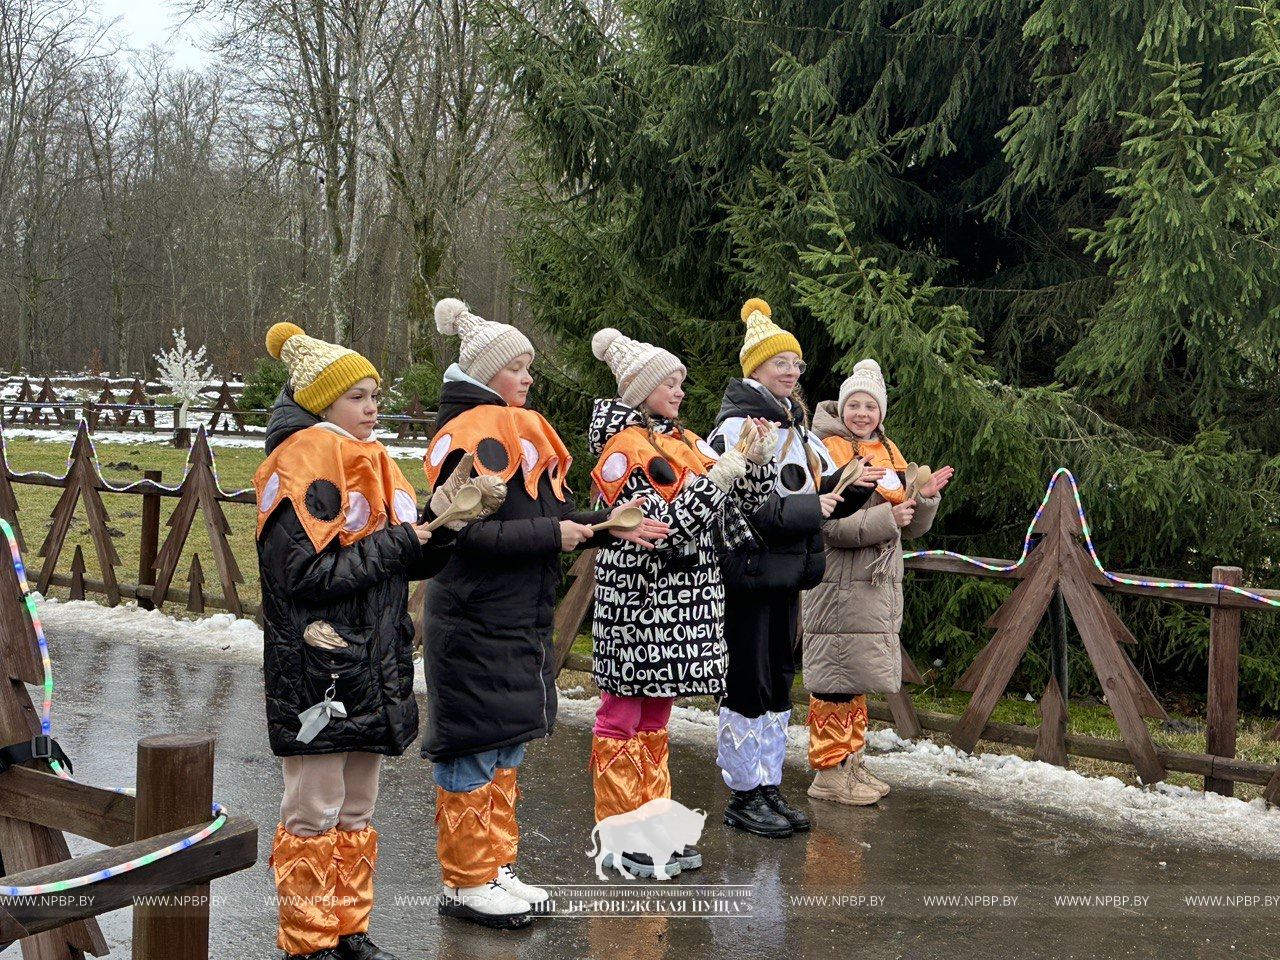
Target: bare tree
(444,127)
(339,163)
(102,104)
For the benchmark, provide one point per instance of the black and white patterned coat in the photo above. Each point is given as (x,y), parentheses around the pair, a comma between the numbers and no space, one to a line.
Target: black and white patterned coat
(787,555)
(659,614)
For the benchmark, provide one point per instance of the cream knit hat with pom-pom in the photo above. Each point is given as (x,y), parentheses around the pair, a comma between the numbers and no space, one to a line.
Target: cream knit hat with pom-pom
(638,367)
(487,346)
(866,378)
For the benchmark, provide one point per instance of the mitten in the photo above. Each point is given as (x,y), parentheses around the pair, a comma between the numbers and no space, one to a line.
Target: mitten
(730,467)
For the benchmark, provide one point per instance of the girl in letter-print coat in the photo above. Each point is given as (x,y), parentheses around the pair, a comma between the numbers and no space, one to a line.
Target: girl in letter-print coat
(658,626)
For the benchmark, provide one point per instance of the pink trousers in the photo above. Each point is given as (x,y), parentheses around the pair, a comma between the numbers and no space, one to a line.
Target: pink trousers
(621,718)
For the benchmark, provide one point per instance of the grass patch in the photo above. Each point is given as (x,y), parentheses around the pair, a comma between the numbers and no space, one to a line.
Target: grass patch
(125,463)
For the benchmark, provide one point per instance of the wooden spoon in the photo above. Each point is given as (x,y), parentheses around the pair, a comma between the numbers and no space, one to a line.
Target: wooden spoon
(465,506)
(852,471)
(917,477)
(750,433)
(625,520)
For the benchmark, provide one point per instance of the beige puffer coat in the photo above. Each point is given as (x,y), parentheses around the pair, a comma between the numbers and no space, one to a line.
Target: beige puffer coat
(850,623)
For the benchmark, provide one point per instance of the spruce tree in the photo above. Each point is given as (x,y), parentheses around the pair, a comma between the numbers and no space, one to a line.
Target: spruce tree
(1052,222)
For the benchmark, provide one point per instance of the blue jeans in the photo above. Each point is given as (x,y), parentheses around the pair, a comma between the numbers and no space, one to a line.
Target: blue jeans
(464,774)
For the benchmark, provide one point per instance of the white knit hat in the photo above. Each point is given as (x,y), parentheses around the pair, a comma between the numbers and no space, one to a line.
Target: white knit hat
(638,367)
(866,378)
(487,346)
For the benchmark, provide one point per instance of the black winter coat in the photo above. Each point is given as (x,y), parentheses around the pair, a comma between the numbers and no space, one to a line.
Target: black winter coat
(488,651)
(363,591)
(788,555)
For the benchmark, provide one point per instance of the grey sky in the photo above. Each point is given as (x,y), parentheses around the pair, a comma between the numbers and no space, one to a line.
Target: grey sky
(143,22)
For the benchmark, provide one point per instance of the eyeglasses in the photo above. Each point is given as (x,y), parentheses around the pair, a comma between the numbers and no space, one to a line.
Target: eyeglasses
(782,366)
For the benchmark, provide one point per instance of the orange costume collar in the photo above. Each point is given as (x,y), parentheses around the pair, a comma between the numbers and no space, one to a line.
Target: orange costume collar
(373,490)
(890,487)
(667,467)
(504,440)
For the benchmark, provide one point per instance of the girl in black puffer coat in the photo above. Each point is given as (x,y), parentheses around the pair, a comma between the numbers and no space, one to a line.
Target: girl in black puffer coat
(763,580)
(338,542)
(488,652)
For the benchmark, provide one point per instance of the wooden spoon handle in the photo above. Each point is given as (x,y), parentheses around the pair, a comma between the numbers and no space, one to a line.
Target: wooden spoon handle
(848,476)
(444,518)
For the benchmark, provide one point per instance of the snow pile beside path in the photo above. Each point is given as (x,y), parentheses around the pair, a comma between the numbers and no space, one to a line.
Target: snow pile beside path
(131,624)
(216,440)
(1170,813)
(1173,813)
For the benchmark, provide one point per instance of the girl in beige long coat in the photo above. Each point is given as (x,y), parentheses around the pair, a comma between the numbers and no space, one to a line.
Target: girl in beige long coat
(852,619)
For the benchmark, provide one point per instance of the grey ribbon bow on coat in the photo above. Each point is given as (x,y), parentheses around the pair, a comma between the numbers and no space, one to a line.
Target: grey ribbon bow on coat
(314,719)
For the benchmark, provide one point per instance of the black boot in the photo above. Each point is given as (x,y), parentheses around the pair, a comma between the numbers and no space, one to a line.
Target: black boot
(358,946)
(641,865)
(798,819)
(748,811)
(690,858)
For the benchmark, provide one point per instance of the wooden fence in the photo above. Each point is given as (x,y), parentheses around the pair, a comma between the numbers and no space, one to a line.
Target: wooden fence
(174,798)
(43,408)
(1059,566)
(198,498)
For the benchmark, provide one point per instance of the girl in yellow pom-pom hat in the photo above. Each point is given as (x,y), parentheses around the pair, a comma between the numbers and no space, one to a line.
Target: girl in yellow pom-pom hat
(338,542)
(765,575)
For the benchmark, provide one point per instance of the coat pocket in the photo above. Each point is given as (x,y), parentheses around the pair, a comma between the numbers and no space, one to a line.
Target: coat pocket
(349,671)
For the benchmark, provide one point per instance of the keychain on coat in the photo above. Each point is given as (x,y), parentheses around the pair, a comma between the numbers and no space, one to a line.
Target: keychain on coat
(314,719)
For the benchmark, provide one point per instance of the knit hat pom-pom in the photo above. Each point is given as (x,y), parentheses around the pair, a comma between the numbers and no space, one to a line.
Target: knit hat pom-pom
(868,365)
(752,306)
(279,334)
(448,311)
(603,340)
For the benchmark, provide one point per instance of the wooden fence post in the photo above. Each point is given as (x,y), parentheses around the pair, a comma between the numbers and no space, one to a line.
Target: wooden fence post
(175,790)
(1224,680)
(150,538)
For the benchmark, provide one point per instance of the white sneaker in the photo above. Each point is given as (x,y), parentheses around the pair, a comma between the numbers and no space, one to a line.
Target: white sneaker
(537,898)
(487,904)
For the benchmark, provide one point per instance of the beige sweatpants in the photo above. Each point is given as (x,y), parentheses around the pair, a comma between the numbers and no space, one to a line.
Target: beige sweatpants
(328,790)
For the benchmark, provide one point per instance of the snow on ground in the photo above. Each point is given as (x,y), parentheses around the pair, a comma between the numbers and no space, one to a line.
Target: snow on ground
(1173,814)
(128,623)
(217,441)
(67,436)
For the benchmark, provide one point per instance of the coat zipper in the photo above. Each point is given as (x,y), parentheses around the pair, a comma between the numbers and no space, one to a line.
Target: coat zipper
(542,681)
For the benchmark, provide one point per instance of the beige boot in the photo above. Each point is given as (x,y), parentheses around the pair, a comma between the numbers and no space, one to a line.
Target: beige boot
(836,784)
(858,771)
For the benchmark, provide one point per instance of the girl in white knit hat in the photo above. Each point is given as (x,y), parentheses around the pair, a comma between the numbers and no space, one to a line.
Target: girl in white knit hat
(489,657)
(650,647)
(852,618)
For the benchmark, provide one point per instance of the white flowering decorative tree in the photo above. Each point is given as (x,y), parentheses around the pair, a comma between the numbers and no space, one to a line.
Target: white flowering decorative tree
(184,373)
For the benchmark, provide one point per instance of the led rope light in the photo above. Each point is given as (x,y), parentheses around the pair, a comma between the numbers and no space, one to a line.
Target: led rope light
(219,811)
(107,484)
(1093,552)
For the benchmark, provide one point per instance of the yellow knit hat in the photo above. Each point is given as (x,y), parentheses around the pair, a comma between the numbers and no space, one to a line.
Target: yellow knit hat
(764,337)
(319,372)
